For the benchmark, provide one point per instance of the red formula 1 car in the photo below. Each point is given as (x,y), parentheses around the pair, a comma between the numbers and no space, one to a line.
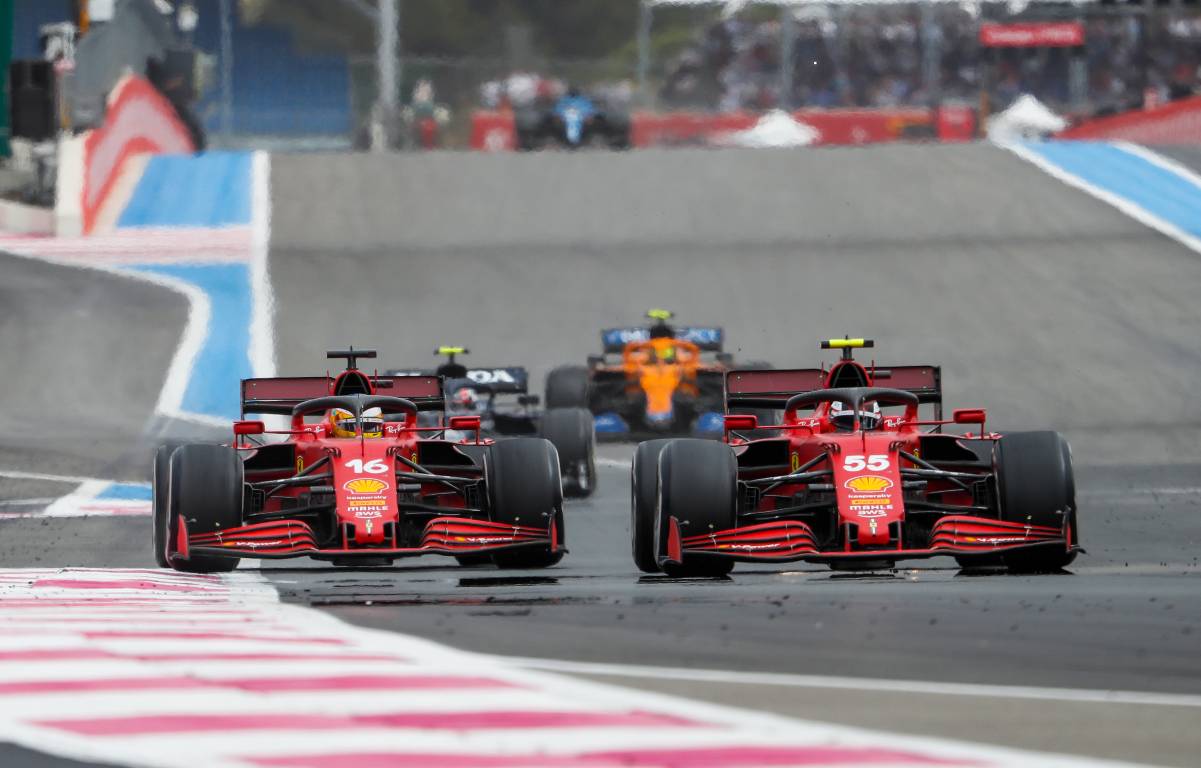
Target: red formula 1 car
(356,482)
(840,481)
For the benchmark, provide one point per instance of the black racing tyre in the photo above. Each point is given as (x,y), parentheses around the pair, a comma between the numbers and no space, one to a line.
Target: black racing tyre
(644,496)
(160,517)
(1036,485)
(524,488)
(568,386)
(207,487)
(698,480)
(573,433)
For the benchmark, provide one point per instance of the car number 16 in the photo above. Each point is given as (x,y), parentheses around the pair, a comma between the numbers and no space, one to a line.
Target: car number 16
(373,467)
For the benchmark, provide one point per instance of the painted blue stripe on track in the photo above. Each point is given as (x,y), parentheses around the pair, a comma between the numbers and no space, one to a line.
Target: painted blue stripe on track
(207,190)
(125,492)
(1160,192)
(224,357)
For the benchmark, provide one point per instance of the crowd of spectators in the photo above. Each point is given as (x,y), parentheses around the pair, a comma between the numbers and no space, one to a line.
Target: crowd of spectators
(875,57)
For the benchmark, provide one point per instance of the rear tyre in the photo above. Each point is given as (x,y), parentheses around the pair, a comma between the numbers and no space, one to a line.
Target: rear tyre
(568,386)
(573,434)
(1036,486)
(644,495)
(524,488)
(207,488)
(697,484)
(160,518)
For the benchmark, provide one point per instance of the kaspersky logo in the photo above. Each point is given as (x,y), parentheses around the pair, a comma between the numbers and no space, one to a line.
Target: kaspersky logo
(868,484)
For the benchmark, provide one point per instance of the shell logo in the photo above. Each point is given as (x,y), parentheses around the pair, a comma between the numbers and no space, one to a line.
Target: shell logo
(868,484)
(365,485)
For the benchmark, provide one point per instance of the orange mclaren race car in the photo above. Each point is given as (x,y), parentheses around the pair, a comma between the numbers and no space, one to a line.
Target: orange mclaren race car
(853,477)
(667,381)
(357,481)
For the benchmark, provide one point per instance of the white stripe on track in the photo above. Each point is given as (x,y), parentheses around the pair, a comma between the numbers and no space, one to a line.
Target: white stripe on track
(1131,209)
(117,718)
(1083,695)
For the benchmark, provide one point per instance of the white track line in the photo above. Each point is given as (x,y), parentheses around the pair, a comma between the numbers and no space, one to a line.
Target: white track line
(14,474)
(1156,159)
(1082,695)
(1134,211)
(195,331)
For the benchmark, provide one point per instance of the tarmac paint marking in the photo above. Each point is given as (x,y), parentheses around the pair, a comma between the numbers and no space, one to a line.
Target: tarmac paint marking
(1145,186)
(858,683)
(154,696)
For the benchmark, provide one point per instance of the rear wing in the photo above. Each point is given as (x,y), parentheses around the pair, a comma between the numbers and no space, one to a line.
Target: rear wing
(281,395)
(707,338)
(772,388)
(505,380)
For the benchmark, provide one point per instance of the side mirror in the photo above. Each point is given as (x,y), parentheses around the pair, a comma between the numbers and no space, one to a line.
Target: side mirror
(734,421)
(528,400)
(249,428)
(464,423)
(596,360)
(968,416)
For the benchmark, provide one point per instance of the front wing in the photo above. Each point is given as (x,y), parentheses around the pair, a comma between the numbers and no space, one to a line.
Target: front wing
(789,540)
(294,538)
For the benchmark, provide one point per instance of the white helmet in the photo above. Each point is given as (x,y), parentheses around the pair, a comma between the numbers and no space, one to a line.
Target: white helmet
(842,416)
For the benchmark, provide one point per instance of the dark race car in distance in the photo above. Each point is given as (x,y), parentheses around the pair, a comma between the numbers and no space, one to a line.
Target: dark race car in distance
(573,121)
(839,481)
(357,481)
(500,397)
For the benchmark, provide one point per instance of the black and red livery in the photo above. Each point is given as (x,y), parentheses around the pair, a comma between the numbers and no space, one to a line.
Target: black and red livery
(804,489)
(356,500)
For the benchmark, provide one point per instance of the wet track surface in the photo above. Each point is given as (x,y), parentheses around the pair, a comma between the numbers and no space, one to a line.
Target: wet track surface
(1043,305)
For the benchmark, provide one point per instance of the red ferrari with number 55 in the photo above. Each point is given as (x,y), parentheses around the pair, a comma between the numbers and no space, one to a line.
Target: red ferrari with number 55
(356,481)
(851,476)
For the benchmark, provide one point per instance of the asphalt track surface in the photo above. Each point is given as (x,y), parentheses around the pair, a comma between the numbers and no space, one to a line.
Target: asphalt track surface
(1042,304)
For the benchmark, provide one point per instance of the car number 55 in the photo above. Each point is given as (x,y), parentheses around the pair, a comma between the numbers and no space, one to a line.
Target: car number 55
(877,462)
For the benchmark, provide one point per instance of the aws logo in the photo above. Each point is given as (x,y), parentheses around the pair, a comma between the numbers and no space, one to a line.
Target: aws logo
(868,484)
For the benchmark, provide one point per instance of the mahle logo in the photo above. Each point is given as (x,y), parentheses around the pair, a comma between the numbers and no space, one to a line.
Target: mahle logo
(868,484)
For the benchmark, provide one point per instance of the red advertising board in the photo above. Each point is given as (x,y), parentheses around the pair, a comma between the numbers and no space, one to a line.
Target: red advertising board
(494,131)
(1047,34)
(1177,122)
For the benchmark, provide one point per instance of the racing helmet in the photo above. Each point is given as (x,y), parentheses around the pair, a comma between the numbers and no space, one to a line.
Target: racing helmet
(342,422)
(842,415)
(465,399)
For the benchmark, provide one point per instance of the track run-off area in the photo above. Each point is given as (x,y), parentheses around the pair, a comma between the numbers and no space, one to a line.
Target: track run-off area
(1056,284)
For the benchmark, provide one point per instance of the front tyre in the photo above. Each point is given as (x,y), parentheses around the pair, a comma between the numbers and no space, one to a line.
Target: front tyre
(524,488)
(698,480)
(207,488)
(1037,486)
(644,496)
(161,516)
